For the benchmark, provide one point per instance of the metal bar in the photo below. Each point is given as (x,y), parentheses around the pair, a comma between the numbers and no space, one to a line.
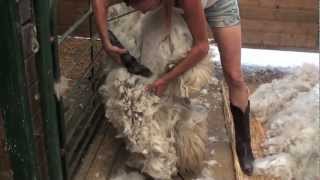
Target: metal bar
(73,107)
(86,74)
(73,130)
(15,109)
(122,15)
(75,25)
(87,133)
(75,120)
(91,41)
(75,64)
(57,75)
(46,78)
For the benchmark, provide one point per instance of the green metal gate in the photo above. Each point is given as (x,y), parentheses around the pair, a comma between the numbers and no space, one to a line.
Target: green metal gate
(29,135)
(82,111)
(43,136)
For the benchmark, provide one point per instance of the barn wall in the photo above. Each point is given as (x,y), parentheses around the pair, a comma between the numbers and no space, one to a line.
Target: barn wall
(70,11)
(278,24)
(275,24)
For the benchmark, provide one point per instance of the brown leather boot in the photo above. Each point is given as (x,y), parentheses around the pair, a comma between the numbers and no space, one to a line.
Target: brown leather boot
(243,138)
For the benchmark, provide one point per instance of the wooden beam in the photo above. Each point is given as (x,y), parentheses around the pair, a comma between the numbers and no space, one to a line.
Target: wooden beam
(14,107)
(278,14)
(279,40)
(293,4)
(279,27)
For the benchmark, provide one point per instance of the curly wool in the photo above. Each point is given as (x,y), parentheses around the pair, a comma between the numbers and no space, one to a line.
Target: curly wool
(168,133)
(289,110)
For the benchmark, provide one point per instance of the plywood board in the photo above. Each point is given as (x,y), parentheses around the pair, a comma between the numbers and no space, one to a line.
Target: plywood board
(280,24)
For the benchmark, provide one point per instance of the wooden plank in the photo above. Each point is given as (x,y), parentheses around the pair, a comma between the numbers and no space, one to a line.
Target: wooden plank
(279,40)
(120,162)
(40,145)
(220,148)
(89,158)
(25,10)
(277,34)
(280,24)
(15,111)
(283,14)
(89,130)
(295,4)
(279,27)
(219,162)
(102,166)
(68,12)
(31,71)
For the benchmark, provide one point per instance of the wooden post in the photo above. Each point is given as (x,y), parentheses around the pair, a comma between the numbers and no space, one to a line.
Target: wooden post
(14,107)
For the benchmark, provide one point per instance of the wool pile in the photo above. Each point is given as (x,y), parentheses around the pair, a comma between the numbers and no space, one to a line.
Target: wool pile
(289,111)
(168,133)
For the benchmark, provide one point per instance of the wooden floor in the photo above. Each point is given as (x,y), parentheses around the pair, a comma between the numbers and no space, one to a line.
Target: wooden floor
(220,163)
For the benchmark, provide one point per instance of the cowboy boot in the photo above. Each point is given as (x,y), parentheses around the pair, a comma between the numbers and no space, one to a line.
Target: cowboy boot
(243,139)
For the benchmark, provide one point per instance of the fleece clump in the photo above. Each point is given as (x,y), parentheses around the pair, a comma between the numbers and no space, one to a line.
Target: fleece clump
(289,110)
(280,92)
(122,175)
(164,134)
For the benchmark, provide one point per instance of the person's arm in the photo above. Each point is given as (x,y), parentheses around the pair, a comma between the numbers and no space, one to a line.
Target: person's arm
(195,18)
(101,15)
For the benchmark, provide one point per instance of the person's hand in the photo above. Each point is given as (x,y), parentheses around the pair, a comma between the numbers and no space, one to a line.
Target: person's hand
(158,87)
(114,52)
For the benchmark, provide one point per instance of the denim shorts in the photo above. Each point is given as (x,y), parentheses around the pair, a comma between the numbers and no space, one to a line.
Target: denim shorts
(223,13)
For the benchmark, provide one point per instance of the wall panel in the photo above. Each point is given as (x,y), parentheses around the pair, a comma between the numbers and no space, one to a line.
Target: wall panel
(275,24)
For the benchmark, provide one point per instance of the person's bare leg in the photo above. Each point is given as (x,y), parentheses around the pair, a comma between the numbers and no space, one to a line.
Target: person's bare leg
(229,43)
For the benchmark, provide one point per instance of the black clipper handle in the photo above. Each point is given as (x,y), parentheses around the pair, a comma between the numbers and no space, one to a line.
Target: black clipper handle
(130,62)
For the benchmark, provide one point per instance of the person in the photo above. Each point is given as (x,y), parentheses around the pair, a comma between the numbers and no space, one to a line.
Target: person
(224,20)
